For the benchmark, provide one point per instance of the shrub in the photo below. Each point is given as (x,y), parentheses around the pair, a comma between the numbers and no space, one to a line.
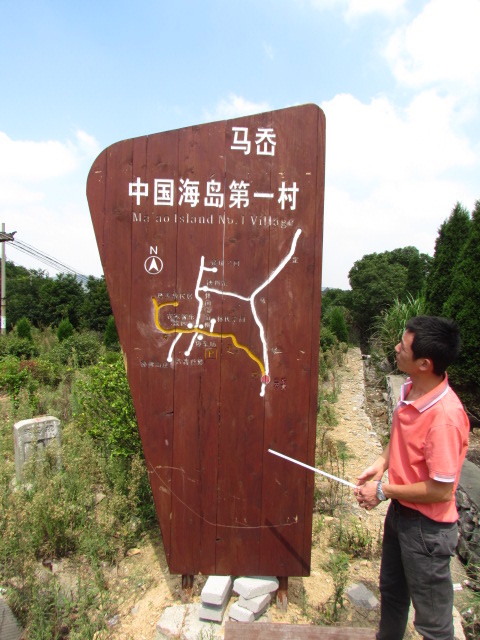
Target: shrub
(65,330)
(327,339)
(338,324)
(103,407)
(337,566)
(79,350)
(13,377)
(21,347)
(24,329)
(110,339)
(354,539)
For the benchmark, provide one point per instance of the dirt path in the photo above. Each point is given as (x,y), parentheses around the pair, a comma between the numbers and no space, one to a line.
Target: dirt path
(145,587)
(356,430)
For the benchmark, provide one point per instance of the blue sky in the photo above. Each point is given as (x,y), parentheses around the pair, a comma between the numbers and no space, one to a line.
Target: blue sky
(398,80)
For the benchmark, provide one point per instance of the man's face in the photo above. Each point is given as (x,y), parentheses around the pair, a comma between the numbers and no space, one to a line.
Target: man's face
(405,358)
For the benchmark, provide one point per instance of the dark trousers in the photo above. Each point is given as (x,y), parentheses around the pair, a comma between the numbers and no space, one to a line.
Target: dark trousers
(415,566)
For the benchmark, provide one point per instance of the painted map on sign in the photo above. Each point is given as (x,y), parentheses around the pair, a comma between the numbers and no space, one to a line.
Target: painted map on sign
(204,325)
(211,239)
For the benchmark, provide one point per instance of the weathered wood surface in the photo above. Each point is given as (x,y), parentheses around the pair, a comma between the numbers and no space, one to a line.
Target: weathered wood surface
(276,631)
(208,416)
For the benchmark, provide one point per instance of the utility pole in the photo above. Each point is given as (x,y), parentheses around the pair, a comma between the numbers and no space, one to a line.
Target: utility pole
(4,237)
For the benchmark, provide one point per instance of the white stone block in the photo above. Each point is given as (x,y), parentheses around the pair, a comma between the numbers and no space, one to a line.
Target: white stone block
(260,613)
(257,604)
(252,587)
(217,590)
(32,436)
(236,612)
(212,612)
(181,621)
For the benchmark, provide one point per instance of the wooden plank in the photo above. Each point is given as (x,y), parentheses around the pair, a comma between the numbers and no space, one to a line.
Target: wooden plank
(242,408)
(277,631)
(199,236)
(290,423)
(152,383)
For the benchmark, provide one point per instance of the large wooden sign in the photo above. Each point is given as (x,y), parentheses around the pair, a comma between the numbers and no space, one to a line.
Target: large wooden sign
(211,240)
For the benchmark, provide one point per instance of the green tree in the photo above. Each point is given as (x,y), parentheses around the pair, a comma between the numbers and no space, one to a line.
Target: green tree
(96,309)
(336,298)
(415,276)
(110,339)
(451,238)
(24,329)
(377,280)
(375,284)
(61,298)
(65,329)
(23,294)
(463,304)
(338,324)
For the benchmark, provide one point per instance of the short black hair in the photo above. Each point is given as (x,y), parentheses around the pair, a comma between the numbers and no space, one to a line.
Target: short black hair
(435,338)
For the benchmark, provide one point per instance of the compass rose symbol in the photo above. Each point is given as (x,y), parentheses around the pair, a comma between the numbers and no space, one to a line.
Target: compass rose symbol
(153,265)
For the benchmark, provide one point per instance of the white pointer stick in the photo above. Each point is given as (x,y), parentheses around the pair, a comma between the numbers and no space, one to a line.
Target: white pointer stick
(323,473)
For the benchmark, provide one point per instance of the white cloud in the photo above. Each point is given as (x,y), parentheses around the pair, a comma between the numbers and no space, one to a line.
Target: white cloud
(390,176)
(63,231)
(236,106)
(441,45)
(32,161)
(87,144)
(375,141)
(390,216)
(357,8)
(363,7)
(28,160)
(42,197)
(14,194)
(26,166)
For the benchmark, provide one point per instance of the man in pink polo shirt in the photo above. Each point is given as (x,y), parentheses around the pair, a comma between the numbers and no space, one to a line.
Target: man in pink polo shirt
(428,443)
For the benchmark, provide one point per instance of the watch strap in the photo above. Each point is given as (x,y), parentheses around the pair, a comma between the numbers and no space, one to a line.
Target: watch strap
(380,495)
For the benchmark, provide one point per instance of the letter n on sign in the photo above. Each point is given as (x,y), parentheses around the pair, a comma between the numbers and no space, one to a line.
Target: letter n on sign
(220,328)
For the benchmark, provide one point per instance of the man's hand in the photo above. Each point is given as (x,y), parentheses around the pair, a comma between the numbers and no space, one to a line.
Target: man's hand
(370,473)
(366,493)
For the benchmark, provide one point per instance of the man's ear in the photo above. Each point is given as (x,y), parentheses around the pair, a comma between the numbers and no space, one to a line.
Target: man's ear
(426,365)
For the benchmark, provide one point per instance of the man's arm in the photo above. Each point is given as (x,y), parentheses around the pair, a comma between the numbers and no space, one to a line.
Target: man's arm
(427,492)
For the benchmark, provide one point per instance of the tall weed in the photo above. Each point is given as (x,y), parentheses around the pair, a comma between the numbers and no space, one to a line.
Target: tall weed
(390,325)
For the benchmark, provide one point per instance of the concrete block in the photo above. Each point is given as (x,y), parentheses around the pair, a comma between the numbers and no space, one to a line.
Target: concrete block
(252,587)
(360,596)
(32,437)
(217,590)
(182,622)
(257,604)
(260,613)
(9,627)
(212,612)
(236,612)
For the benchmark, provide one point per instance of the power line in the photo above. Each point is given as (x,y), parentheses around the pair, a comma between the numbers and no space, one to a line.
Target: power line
(43,257)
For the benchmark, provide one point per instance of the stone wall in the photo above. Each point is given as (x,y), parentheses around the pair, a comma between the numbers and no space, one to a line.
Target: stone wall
(394,384)
(468,506)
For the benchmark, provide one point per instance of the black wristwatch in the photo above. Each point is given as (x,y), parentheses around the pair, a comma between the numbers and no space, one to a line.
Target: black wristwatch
(380,495)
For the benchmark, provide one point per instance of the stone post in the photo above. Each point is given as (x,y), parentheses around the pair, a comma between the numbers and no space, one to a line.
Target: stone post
(32,437)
